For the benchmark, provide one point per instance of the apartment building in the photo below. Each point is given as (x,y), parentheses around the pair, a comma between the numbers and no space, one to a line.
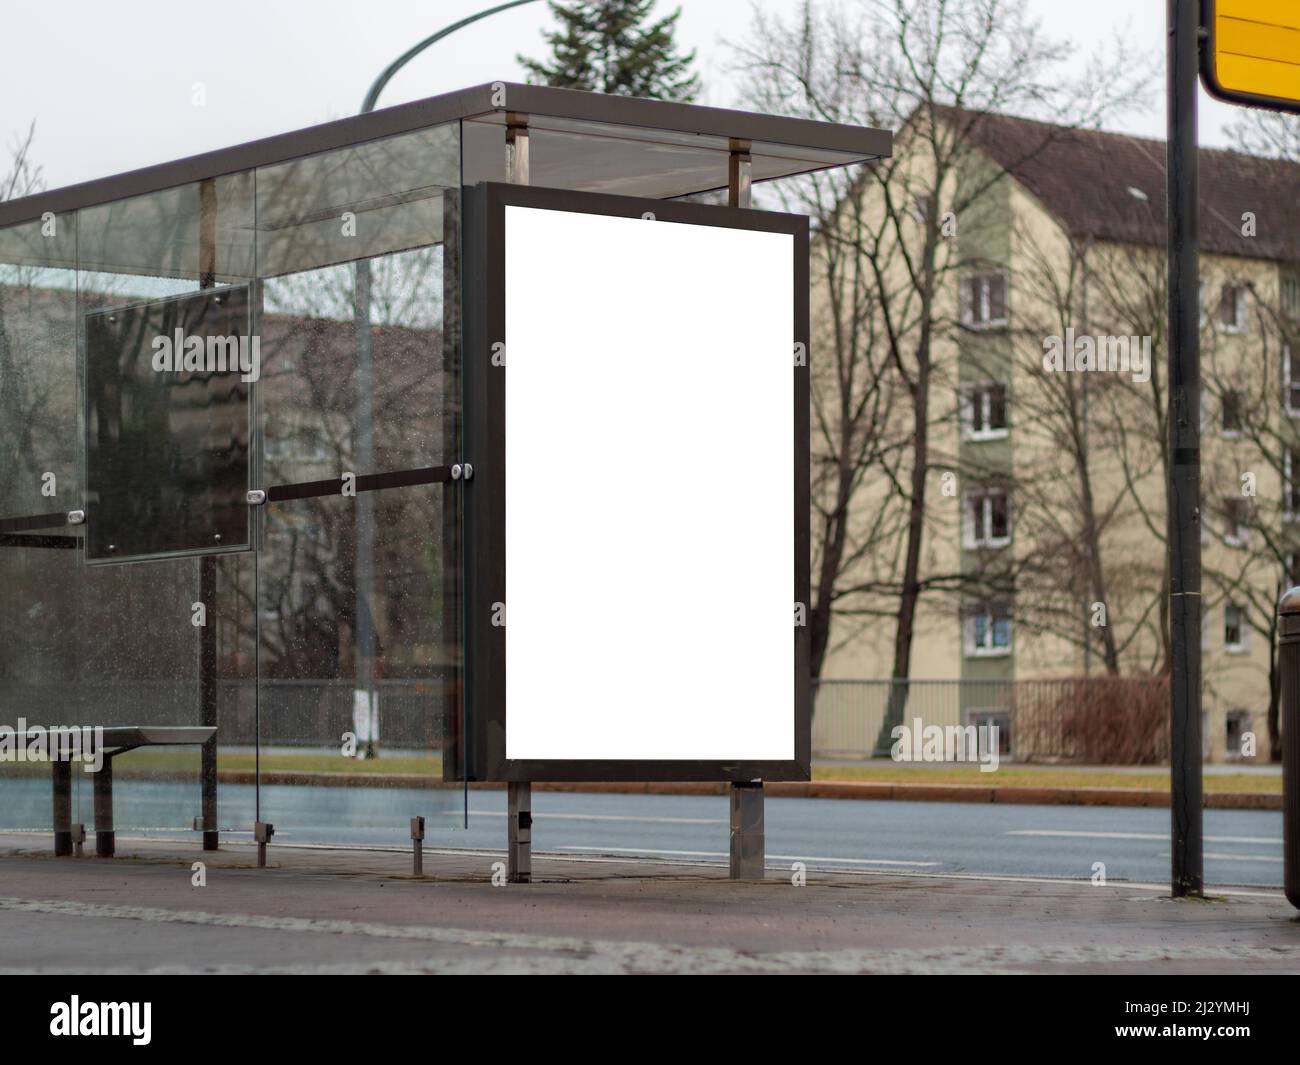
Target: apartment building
(1045,550)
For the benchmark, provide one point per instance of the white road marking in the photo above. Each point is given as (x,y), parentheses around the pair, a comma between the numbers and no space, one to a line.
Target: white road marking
(609,817)
(1159,837)
(1225,857)
(770,857)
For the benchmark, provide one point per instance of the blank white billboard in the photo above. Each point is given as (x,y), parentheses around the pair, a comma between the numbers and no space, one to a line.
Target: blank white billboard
(649,434)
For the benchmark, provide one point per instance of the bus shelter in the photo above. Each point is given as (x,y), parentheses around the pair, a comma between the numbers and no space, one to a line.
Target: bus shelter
(287,427)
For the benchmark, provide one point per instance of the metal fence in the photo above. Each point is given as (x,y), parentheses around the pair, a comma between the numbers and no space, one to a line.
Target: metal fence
(1108,720)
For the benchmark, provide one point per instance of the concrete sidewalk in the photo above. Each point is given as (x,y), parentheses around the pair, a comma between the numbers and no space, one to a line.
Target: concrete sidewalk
(326,910)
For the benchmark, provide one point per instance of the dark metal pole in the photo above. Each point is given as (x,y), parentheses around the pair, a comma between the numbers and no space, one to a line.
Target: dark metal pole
(208,711)
(1289,662)
(105,836)
(748,845)
(62,776)
(1184,451)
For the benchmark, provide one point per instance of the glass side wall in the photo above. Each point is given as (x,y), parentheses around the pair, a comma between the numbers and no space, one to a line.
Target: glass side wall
(165,456)
(159,357)
(357,580)
(43,627)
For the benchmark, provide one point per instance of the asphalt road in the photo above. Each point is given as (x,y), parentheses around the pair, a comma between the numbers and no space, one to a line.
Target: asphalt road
(1241,847)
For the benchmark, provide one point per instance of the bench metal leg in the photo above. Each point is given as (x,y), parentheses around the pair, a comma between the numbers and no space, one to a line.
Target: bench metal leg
(209,784)
(62,807)
(105,837)
(747,842)
(519,844)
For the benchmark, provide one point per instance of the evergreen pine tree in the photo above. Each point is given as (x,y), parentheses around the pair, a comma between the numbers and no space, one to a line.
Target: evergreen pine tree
(611,46)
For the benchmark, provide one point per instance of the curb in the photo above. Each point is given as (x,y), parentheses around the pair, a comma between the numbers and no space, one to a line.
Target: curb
(797,789)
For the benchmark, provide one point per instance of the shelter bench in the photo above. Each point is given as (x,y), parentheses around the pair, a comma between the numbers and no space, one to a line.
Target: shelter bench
(117,740)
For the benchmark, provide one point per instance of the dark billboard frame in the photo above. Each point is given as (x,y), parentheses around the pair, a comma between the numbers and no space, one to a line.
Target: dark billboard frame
(484,555)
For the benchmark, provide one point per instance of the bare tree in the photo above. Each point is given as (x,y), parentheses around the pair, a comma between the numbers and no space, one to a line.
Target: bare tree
(23,175)
(933,70)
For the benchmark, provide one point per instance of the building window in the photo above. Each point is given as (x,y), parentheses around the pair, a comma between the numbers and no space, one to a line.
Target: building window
(1290,486)
(1291,297)
(1236,515)
(988,521)
(1230,413)
(1291,381)
(984,412)
(1232,307)
(988,630)
(1236,725)
(1293,569)
(1234,628)
(984,300)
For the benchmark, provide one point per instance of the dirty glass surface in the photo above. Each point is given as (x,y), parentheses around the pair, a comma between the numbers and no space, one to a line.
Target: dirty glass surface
(311,646)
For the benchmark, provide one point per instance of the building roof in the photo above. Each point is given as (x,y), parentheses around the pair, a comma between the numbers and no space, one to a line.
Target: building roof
(1111,186)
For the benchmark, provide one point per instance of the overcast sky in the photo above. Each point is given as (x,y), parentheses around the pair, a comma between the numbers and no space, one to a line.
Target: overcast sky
(109,84)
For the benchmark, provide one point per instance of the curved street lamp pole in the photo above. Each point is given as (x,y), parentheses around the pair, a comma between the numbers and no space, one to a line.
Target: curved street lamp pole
(363,572)
(406,57)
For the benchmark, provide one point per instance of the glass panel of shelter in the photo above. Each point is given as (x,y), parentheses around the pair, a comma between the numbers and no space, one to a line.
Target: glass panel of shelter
(358,562)
(42,648)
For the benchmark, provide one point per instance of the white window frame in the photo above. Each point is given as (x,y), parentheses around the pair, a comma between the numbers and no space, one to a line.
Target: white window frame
(1291,412)
(1243,630)
(1288,483)
(1243,311)
(966,306)
(989,611)
(985,496)
(978,400)
(1289,284)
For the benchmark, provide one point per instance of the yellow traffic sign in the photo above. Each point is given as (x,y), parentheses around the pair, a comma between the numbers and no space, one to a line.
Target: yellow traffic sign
(1251,53)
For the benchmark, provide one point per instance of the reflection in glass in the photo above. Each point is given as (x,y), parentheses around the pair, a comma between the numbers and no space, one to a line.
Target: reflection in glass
(167,425)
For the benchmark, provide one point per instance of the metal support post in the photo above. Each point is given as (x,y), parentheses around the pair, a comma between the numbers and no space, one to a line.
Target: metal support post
(417,844)
(62,806)
(208,699)
(747,843)
(519,842)
(207,564)
(748,849)
(517,148)
(105,836)
(519,850)
(740,175)
(1289,664)
(262,833)
(1184,413)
